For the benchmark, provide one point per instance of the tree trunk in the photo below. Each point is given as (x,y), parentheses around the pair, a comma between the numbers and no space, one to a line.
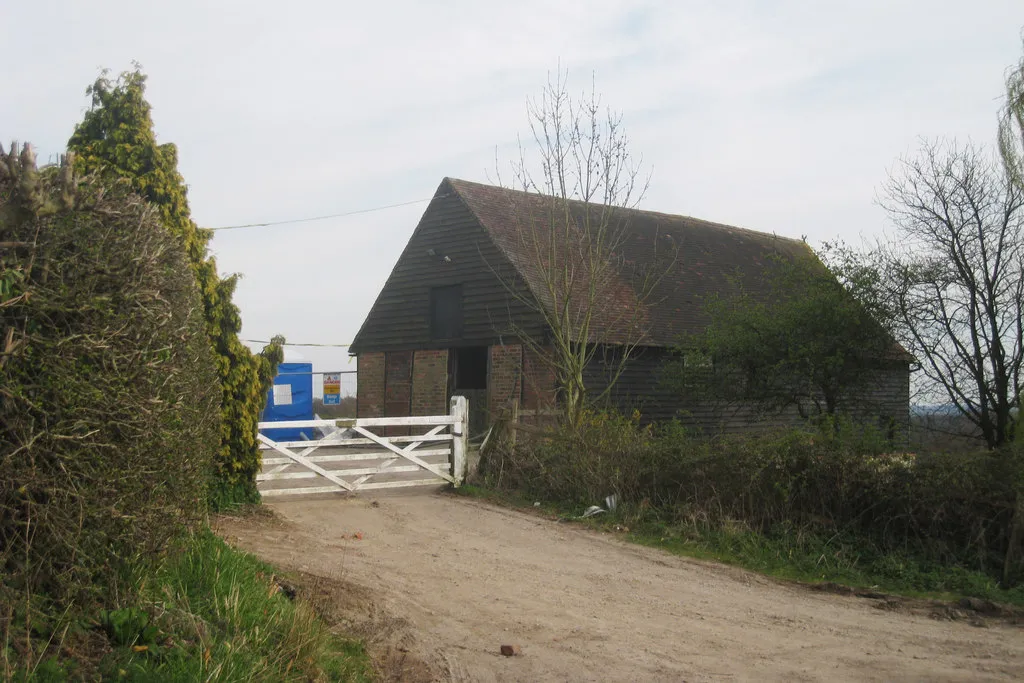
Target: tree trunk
(1014,542)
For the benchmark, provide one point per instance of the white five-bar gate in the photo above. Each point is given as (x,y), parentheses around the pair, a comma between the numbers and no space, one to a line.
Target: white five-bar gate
(360,454)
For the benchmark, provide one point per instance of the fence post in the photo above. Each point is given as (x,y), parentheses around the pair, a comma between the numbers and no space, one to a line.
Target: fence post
(513,421)
(460,434)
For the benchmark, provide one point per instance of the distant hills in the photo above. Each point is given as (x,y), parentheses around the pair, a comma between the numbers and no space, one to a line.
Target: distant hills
(934,409)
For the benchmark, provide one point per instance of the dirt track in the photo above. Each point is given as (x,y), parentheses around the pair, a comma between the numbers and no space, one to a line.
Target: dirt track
(450,580)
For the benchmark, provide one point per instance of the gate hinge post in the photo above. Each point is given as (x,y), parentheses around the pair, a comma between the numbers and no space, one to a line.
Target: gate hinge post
(460,437)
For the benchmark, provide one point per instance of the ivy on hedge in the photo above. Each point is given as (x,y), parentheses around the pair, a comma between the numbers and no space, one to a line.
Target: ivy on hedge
(116,139)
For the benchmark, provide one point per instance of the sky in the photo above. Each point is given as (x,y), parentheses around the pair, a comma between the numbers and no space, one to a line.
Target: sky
(777,116)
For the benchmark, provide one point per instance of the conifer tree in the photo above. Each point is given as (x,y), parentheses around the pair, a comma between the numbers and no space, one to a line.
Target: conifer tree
(116,138)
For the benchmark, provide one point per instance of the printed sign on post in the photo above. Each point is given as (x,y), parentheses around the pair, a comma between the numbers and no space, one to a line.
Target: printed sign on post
(282,394)
(332,388)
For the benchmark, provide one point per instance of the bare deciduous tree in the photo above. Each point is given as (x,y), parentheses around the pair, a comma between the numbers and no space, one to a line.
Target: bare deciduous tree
(953,278)
(581,185)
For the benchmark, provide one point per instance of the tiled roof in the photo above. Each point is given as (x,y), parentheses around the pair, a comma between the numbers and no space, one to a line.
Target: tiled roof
(689,258)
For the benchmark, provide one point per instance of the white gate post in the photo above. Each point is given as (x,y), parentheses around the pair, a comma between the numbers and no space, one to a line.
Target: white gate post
(460,440)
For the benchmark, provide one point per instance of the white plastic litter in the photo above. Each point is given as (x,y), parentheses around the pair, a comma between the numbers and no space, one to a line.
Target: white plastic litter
(591,511)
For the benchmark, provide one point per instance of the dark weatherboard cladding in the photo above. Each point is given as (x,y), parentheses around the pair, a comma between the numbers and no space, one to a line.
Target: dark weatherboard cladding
(448,253)
(447,321)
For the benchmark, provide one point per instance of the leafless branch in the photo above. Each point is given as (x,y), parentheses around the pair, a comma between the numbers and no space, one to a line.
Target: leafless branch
(954,279)
(577,186)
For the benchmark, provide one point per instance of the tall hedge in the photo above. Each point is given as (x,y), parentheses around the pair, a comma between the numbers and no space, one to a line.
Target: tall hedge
(108,394)
(839,481)
(116,138)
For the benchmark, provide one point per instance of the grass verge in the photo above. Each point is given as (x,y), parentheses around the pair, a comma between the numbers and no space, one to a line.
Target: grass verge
(220,615)
(212,613)
(785,553)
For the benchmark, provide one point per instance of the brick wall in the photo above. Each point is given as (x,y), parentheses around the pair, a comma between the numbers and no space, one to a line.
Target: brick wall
(397,383)
(430,382)
(397,388)
(538,389)
(370,385)
(401,383)
(504,381)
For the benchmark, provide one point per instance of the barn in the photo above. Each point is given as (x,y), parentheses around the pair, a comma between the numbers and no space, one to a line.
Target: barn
(448,322)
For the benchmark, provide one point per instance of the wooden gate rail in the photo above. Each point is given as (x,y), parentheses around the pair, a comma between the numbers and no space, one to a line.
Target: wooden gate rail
(354,442)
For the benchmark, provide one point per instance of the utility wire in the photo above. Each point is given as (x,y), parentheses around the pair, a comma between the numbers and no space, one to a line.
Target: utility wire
(318,372)
(321,218)
(261,341)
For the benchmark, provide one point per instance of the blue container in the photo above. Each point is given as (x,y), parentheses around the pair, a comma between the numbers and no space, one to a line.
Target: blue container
(291,398)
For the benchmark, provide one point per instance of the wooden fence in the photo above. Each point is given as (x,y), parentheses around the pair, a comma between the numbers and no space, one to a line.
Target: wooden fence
(353,455)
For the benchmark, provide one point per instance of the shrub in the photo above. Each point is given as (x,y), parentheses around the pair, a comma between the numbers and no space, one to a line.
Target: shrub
(109,408)
(606,453)
(947,509)
(950,508)
(116,139)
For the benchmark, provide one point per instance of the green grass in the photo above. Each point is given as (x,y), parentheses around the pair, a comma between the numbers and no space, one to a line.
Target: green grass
(813,558)
(224,497)
(785,553)
(217,615)
(211,613)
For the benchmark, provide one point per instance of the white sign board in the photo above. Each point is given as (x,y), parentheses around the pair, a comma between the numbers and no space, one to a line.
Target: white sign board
(282,394)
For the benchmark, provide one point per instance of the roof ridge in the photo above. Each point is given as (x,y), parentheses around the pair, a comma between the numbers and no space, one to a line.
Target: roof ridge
(454,182)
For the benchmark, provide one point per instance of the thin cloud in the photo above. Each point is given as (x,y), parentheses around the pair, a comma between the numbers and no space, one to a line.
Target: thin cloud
(776,116)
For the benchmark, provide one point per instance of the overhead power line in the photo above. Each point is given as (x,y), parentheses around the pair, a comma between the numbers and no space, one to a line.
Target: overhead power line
(261,341)
(322,218)
(319,372)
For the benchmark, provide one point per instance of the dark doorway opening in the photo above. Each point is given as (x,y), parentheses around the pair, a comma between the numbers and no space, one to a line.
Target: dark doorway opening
(471,368)
(469,378)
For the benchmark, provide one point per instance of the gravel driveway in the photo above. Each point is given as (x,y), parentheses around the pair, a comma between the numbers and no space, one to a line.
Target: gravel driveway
(454,579)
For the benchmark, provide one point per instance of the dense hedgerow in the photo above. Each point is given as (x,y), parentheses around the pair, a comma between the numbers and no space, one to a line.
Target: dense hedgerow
(957,509)
(116,140)
(109,401)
